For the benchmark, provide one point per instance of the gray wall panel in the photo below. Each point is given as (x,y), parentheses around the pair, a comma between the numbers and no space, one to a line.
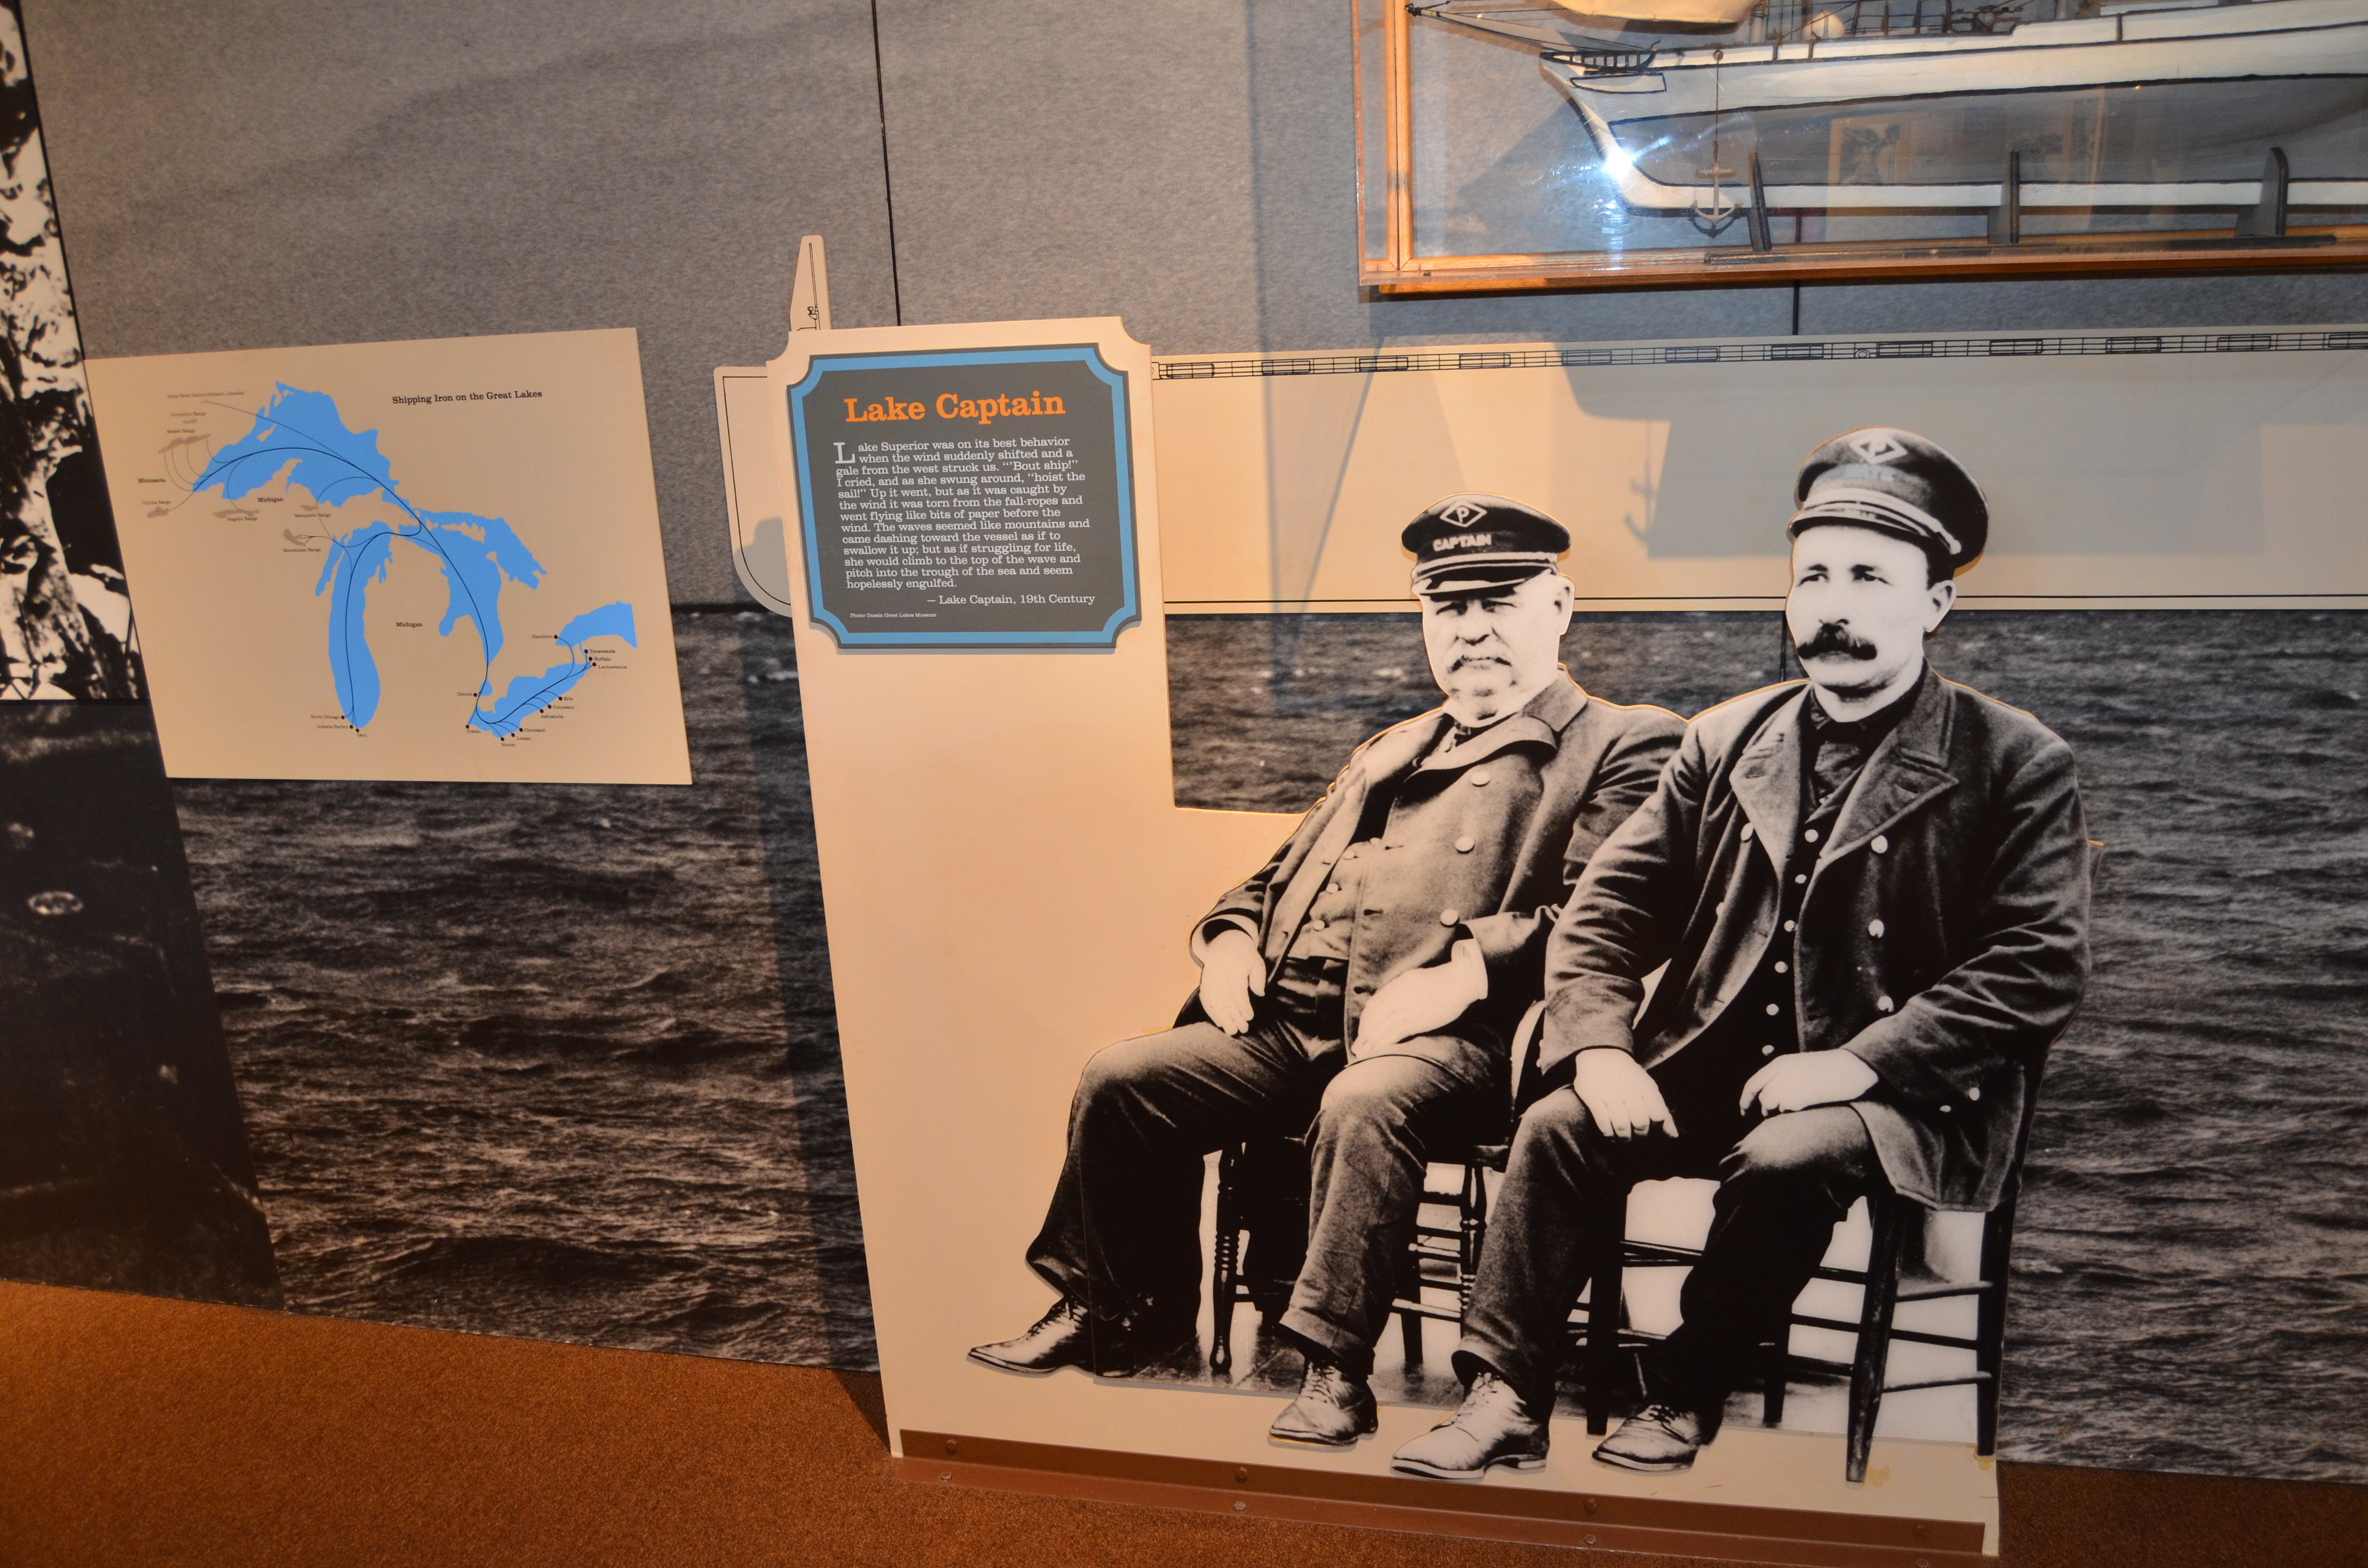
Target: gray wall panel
(247,173)
(250,173)
(1187,165)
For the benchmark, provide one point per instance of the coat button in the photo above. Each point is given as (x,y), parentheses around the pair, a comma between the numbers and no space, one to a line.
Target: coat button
(1781,966)
(1878,843)
(1334,888)
(1449,917)
(1463,845)
(1810,834)
(1947,1108)
(1747,832)
(1973,1093)
(1882,1004)
(1767,1050)
(1479,776)
(1773,1009)
(1788,925)
(1319,923)
(1874,928)
(1800,877)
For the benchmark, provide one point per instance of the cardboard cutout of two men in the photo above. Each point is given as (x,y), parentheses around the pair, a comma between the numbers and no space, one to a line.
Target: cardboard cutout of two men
(1871,891)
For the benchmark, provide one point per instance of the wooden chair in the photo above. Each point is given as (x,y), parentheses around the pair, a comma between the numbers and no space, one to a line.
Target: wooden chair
(1885,1285)
(1448,1258)
(1444,1258)
(1261,1235)
(1262,1226)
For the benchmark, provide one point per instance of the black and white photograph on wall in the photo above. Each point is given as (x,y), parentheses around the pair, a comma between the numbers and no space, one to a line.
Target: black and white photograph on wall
(552,1061)
(65,616)
(123,1163)
(2187,1258)
(1380,999)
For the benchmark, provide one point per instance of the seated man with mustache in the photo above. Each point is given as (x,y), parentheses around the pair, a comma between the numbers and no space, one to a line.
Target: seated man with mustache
(1871,892)
(1362,987)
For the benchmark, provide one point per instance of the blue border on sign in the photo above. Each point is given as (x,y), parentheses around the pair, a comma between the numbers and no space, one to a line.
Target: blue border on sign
(1088,354)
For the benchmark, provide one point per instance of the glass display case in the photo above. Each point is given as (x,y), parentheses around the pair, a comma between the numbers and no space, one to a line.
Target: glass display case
(1633,143)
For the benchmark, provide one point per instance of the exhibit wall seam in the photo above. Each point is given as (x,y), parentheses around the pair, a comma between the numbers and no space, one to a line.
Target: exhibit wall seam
(887,184)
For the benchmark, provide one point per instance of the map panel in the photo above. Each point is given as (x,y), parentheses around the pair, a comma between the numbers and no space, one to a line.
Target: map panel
(403,560)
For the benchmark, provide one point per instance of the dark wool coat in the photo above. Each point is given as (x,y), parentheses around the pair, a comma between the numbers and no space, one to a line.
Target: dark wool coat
(1485,839)
(1944,929)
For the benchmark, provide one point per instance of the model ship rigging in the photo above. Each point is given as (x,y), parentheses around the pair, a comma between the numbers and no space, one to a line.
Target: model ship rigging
(1933,104)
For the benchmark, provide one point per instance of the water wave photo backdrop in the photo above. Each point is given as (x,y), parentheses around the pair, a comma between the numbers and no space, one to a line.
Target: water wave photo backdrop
(560,1061)
(2190,1268)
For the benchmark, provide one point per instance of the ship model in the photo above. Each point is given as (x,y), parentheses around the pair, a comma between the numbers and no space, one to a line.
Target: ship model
(1889,105)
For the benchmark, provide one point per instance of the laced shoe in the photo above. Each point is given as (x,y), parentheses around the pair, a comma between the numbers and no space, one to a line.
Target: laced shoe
(1656,1439)
(1061,1337)
(1335,1408)
(1493,1426)
(1145,1338)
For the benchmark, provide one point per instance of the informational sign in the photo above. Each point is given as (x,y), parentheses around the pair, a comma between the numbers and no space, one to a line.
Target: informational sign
(978,498)
(399,561)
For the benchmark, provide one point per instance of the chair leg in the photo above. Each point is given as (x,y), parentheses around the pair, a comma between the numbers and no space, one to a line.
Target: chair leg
(1989,1335)
(1474,1210)
(1226,1269)
(1891,1215)
(1775,1370)
(1603,1340)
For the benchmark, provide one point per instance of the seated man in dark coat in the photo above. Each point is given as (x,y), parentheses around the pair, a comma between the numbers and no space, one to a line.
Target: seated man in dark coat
(1871,892)
(1367,981)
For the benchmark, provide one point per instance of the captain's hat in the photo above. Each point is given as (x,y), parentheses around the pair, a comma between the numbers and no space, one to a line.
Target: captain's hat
(1476,544)
(1897,483)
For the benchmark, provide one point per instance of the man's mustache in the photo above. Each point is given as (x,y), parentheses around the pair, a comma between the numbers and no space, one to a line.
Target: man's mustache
(1465,661)
(1834,638)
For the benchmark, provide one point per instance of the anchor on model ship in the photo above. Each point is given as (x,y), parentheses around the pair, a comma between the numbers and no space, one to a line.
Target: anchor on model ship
(2005,105)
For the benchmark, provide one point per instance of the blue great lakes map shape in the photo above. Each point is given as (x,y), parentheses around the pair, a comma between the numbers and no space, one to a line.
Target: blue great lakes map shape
(300,434)
(530,694)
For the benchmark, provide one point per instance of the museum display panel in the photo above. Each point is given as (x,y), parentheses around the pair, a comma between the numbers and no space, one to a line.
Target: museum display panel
(1289,640)
(1176,776)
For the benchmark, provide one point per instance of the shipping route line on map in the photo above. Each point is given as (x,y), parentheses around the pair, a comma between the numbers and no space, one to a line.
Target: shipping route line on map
(348,580)
(347,587)
(525,703)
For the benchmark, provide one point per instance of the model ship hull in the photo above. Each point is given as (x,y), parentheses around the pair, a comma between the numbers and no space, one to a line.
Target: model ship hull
(2172,108)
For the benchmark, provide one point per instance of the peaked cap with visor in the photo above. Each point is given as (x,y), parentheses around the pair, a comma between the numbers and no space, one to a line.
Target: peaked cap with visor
(1897,483)
(1477,544)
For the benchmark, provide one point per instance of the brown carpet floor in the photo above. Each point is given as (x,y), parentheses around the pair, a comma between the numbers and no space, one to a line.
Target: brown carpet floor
(149,1432)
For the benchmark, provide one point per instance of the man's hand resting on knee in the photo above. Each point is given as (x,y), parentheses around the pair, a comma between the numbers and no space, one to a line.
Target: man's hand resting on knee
(1620,1094)
(1422,1001)
(1232,973)
(1808,1079)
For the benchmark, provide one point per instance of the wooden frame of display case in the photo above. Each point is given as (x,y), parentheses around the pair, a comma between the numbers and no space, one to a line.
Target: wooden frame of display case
(1394,270)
